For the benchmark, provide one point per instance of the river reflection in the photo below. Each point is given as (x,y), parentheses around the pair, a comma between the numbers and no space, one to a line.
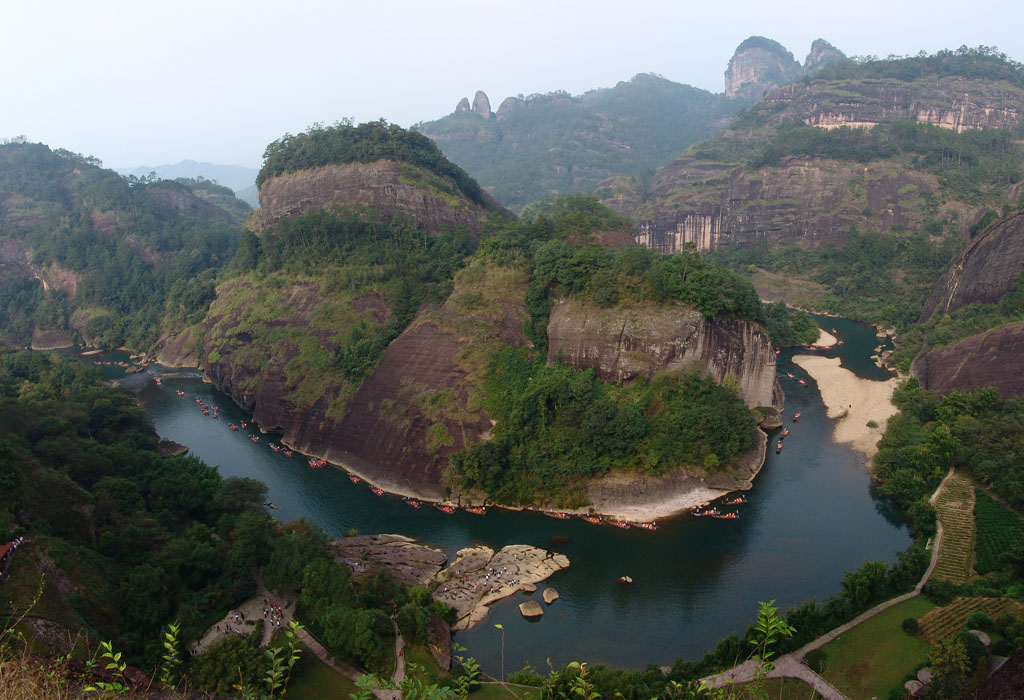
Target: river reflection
(811,517)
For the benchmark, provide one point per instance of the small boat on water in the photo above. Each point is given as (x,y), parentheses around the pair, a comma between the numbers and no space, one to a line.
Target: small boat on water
(592,519)
(557,514)
(287,453)
(448,510)
(378,491)
(216,416)
(726,516)
(232,426)
(275,448)
(707,512)
(476,510)
(802,382)
(648,526)
(317,463)
(205,412)
(785,432)
(181,393)
(739,500)
(353,478)
(268,504)
(789,374)
(254,438)
(244,425)
(624,524)
(624,579)
(778,447)
(796,416)
(412,502)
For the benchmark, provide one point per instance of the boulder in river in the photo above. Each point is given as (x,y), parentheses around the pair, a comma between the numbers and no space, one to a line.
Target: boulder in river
(528,588)
(550,595)
(625,579)
(531,609)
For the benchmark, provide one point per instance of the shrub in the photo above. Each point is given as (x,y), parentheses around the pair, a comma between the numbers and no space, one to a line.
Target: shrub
(872,424)
(910,626)
(1002,648)
(1003,622)
(816,659)
(941,592)
(979,620)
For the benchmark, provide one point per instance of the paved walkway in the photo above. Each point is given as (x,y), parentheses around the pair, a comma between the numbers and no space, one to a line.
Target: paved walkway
(791,665)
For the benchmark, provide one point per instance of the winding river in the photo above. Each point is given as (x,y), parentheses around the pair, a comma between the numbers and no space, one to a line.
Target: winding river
(812,516)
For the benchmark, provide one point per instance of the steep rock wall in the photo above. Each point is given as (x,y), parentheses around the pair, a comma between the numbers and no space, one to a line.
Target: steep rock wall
(994,358)
(756,68)
(949,102)
(813,202)
(620,344)
(389,188)
(985,271)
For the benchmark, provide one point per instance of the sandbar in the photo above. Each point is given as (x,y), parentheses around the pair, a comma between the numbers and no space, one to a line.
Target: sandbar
(825,339)
(853,401)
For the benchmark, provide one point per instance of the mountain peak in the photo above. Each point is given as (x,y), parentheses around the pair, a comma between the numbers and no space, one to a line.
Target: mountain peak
(759,64)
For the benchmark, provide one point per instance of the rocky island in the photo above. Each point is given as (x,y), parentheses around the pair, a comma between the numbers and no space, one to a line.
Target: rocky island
(478,577)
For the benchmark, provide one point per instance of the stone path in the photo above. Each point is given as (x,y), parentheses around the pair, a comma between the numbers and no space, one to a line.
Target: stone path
(791,665)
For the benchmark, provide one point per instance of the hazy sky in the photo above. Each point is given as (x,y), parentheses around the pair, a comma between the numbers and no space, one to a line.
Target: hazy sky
(143,83)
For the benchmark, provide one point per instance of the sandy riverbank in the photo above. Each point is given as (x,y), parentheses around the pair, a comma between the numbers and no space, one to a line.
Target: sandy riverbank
(825,339)
(852,400)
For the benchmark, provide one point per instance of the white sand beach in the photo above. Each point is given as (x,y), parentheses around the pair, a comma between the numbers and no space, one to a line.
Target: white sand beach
(852,400)
(825,339)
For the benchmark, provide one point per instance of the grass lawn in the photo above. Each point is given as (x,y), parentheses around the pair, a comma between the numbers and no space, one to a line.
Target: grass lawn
(781,689)
(313,680)
(874,657)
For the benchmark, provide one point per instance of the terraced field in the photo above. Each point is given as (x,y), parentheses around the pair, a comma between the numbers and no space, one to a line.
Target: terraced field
(941,622)
(955,507)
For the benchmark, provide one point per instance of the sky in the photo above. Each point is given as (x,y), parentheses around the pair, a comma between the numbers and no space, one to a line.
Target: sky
(143,83)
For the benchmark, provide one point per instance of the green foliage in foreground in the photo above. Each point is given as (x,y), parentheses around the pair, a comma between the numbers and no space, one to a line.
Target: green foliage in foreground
(998,531)
(344,143)
(556,427)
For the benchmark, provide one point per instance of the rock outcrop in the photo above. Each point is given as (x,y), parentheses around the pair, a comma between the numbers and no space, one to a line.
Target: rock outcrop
(623,343)
(386,188)
(463,106)
(821,54)
(984,272)
(994,358)
(481,105)
(758,65)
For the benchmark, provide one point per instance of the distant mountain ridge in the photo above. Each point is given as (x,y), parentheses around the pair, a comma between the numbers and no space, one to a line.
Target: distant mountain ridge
(540,146)
(238,177)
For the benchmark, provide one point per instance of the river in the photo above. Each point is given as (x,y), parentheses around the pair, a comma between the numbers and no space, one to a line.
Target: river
(811,517)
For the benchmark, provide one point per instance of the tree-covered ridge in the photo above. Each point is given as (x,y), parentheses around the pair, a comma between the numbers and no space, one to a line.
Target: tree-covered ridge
(544,146)
(365,143)
(981,62)
(142,252)
(144,540)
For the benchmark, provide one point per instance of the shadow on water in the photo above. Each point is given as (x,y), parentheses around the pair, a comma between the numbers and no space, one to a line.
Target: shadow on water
(811,517)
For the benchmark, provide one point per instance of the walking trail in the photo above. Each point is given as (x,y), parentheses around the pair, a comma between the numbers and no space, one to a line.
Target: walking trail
(791,665)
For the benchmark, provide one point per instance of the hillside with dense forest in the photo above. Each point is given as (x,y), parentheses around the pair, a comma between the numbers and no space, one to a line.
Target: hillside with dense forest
(849,190)
(541,146)
(90,256)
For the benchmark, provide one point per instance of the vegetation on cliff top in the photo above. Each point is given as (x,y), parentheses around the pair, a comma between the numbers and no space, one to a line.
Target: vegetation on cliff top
(981,62)
(344,143)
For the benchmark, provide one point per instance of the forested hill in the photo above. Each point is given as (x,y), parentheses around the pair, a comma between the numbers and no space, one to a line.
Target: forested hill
(86,254)
(849,190)
(541,146)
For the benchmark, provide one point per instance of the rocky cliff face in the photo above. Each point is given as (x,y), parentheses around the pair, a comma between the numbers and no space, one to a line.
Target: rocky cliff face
(482,105)
(187,204)
(758,65)
(810,201)
(994,358)
(623,343)
(821,54)
(386,187)
(410,413)
(985,271)
(950,102)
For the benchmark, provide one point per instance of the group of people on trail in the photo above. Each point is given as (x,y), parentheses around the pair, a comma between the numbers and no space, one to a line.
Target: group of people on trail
(273,613)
